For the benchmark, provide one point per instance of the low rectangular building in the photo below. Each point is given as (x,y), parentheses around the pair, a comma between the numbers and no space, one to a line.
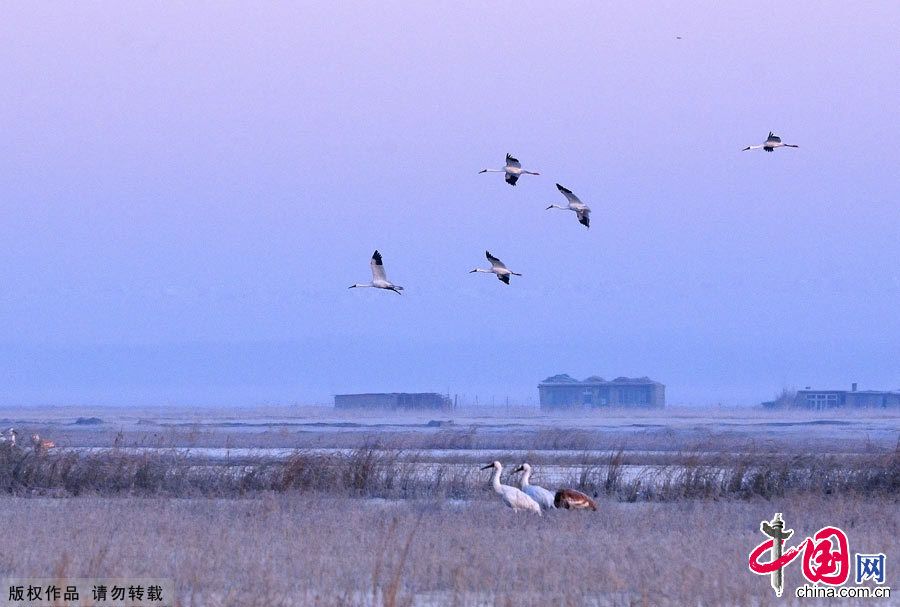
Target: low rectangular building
(425,401)
(828,399)
(563,391)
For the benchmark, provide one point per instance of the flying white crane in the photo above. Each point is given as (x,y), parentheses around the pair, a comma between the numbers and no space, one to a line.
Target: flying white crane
(379,278)
(582,211)
(497,267)
(513,170)
(512,497)
(543,497)
(772,142)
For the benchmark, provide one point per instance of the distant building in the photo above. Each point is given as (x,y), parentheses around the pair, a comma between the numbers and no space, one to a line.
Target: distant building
(424,401)
(561,391)
(828,399)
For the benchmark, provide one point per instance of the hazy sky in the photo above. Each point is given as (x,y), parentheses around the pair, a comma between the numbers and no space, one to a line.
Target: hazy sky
(188,189)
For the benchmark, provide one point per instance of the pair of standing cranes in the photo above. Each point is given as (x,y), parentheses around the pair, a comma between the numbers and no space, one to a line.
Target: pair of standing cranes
(532,498)
(512,171)
(10,437)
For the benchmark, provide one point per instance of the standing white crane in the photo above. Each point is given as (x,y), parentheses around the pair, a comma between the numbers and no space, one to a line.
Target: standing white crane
(512,497)
(772,142)
(543,497)
(582,211)
(9,436)
(513,170)
(379,278)
(497,267)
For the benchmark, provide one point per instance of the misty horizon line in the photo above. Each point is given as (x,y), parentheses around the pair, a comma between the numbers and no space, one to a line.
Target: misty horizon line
(263,372)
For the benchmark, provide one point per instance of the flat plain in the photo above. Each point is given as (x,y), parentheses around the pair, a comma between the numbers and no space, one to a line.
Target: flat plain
(310,506)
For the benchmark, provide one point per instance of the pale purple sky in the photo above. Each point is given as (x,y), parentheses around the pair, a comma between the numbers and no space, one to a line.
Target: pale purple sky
(187,189)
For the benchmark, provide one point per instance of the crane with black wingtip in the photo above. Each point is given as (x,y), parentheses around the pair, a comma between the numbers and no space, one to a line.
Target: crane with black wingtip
(581,210)
(513,170)
(379,278)
(497,267)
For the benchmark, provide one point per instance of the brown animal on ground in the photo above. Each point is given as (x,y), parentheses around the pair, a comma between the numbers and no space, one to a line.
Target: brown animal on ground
(574,500)
(41,444)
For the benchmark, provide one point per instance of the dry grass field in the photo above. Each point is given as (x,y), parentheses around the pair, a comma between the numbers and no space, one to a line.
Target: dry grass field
(391,474)
(292,549)
(397,512)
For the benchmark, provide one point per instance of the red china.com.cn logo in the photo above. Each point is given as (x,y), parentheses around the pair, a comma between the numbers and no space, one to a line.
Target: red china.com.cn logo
(825,561)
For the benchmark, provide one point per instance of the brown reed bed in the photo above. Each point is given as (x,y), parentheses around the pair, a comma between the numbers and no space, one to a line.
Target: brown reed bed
(374,471)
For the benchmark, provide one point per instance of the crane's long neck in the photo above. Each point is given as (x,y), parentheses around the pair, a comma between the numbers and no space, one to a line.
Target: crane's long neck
(495,480)
(526,478)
